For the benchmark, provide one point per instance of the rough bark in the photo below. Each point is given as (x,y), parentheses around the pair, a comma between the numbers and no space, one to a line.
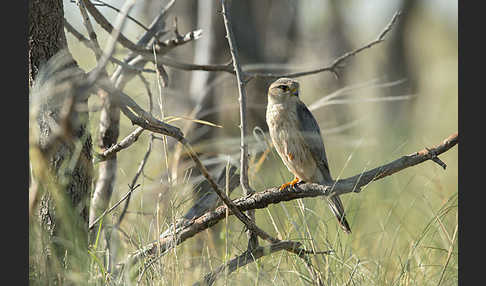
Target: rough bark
(46,34)
(63,208)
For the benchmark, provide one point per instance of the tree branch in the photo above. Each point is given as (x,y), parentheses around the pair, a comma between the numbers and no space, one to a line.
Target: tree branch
(104,4)
(336,63)
(114,35)
(250,256)
(106,25)
(141,117)
(139,48)
(135,179)
(333,67)
(270,196)
(125,143)
(247,190)
(90,45)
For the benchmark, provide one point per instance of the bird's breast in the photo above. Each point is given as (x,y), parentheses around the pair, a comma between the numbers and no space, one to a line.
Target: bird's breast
(289,142)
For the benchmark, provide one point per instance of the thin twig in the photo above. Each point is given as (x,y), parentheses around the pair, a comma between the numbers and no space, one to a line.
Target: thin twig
(104,4)
(89,44)
(227,67)
(336,63)
(135,179)
(95,46)
(247,190)
(129,193)
(333,67)
(105,24)
(123,144)
(141,117)
(115,34)
(149,92)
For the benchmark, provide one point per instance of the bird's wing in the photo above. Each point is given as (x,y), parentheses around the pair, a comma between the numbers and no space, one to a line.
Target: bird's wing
(312,134)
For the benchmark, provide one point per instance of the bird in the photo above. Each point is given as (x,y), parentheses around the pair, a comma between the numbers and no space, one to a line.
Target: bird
(297,139)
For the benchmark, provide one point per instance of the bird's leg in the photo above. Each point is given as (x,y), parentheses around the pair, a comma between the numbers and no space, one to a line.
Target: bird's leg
(291,183)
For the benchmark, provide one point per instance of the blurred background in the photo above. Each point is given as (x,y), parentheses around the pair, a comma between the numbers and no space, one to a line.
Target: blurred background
(390,100)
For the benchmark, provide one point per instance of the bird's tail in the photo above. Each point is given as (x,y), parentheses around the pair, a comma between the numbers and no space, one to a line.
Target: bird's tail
(337,208)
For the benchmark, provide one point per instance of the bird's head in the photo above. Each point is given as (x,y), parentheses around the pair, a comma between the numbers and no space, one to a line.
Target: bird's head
(283,89)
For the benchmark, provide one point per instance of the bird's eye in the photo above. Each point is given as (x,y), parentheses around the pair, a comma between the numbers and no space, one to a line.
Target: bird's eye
(283,87)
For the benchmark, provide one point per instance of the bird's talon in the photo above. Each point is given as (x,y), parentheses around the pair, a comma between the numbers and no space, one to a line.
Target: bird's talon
(291,183)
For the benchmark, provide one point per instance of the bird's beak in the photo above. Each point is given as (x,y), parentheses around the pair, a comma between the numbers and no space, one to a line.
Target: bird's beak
(295,92)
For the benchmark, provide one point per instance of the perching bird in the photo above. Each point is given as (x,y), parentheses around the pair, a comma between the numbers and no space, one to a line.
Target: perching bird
(297,139)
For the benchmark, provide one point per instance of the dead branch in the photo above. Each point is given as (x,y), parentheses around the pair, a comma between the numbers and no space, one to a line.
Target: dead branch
(250,256)
(135,179)
(227,67)
(247,190)
(100,3)
(234,209)
(110,46)
(154,30)
(137,114)
(106,25)
(123,144)
(333,67)
(90,45)
(129,193)
(94,44)
(270,196)
(336,63)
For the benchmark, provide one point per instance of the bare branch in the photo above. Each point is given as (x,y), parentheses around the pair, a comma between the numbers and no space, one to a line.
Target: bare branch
(247,190)
(125,143)
(89,44)
(135,179)
(250,256)
(127,196)
(110,46)
(333,67)
(336,63)
(95,46)
(104,4)
(228,67)
(90,227)
(139,48)
(106,25)
(144,119)
(264,198)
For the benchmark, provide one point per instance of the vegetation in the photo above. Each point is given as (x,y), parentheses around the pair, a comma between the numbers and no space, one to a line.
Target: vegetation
(392,99)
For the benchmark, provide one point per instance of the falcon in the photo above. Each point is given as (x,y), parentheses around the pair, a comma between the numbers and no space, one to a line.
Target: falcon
(297,139)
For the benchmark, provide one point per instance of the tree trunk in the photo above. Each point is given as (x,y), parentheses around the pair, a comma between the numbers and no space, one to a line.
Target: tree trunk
(46,33)
(63,207)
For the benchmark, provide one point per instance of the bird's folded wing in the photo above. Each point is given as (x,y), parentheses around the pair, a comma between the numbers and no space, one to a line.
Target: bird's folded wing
(312,134)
